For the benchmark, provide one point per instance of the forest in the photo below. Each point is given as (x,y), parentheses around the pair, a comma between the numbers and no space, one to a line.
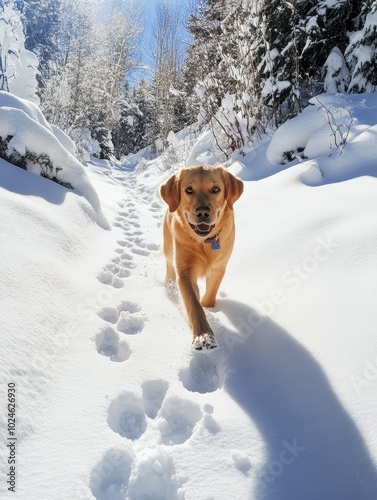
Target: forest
(240,67)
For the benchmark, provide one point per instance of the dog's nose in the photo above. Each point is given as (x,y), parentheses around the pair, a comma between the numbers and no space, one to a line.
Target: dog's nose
(203,213)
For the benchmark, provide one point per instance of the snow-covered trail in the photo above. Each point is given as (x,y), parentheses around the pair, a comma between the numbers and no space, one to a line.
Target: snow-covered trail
(256,416)
(121,408)
(162,406)
(247,421)
(165,411)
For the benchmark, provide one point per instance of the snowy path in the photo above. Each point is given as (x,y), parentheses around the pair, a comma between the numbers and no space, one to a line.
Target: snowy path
(112,402)
(165,413)
(260,411)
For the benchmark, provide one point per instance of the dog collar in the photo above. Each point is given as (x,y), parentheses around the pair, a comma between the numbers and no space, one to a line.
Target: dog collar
(214,241)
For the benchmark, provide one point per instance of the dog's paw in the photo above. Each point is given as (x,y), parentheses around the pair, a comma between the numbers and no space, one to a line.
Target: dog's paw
(204,341)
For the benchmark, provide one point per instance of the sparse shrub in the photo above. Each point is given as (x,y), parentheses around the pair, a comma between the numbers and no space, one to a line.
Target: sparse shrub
(47,168)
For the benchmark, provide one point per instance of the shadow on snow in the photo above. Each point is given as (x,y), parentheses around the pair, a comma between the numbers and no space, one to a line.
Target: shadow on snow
(314,448)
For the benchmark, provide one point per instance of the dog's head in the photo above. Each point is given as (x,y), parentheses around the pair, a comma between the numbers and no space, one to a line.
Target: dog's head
(201,194)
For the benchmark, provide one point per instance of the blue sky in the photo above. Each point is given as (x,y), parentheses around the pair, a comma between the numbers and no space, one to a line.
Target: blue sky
(148,12)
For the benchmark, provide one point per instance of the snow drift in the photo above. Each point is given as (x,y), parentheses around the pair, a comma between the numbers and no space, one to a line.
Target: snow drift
(27,140)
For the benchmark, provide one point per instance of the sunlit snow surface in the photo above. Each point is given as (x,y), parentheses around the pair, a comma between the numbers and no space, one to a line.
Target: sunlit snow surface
(111,402)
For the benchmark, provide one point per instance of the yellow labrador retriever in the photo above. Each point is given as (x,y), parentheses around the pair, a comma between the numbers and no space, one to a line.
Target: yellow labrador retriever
(198,238)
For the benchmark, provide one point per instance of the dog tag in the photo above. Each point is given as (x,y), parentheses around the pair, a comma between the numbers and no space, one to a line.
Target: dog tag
(216,246)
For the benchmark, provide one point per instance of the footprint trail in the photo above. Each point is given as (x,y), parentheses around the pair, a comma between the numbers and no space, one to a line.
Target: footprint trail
(161,416)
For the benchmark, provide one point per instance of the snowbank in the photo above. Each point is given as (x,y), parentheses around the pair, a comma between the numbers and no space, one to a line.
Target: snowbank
(323,128)
(28,139)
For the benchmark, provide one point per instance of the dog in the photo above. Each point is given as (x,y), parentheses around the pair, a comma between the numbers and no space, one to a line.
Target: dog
(199,231)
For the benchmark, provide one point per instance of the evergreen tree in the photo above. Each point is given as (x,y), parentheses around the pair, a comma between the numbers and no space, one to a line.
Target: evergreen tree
(361,53)
(126,134)
(243,59)
(298,38)
(134,127)
(143,123)
(183,113)
(204,78)
(255,63)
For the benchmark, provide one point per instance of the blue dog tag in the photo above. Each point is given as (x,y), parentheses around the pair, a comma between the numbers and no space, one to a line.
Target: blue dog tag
(216,246)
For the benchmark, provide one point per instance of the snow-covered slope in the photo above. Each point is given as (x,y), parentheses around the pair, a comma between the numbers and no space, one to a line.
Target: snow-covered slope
(111,402)
(45,150)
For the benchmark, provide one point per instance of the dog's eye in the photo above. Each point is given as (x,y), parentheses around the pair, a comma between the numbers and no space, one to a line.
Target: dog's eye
(189,190)
(215,189)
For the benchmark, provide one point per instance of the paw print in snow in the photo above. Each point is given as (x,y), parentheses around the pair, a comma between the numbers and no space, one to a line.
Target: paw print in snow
(126,416)
(178,419)
(109,478)
(129,323)
(131,320)
(126,316)
(154,477)
(202,375)
(107,277)
(154,392)
(108,344)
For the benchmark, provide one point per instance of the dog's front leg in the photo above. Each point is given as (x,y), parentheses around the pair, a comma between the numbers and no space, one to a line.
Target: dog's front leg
(168,252)
(212,286)
(203,337)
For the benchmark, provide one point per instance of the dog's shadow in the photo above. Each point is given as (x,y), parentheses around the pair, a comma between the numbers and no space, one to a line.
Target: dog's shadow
(314,448)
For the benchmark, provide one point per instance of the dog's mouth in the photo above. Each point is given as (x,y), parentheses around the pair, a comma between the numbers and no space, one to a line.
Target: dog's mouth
(202,229)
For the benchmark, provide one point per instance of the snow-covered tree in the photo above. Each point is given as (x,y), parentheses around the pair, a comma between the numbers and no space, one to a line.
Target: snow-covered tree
(361,53)
(255,63)
(85,90)
(336,73)
(166,49)
(42,21)
(299,36)
(184,112)
(133,129)
(18,66)
(66,97)
(205,81)
(242,112)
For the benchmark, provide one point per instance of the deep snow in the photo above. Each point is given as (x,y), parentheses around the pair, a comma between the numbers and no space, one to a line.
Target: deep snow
(111,402)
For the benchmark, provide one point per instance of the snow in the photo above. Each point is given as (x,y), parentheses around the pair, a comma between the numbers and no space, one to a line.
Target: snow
(360,55)
(23,122)
(24,82)
(320,129)
(112,403)
(20,66)
(337,74)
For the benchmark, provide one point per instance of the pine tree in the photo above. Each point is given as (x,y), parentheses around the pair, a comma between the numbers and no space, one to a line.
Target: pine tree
(183,113)
(361,54)
(298,38)
(126,133)
(144,118)
(134,126)
(202,67)
(255,63)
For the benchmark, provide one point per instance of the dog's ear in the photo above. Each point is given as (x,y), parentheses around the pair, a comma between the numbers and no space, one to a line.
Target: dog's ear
(170,192)
(234,188)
